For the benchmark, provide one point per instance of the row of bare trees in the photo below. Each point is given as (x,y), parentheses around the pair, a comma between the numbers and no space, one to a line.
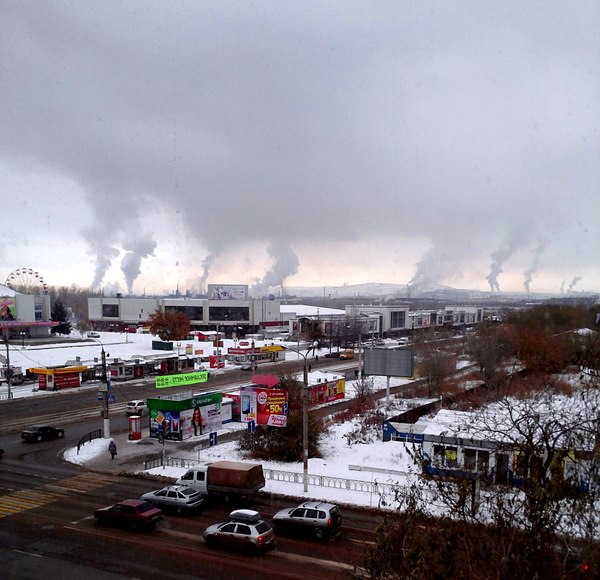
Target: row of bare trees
(548,526)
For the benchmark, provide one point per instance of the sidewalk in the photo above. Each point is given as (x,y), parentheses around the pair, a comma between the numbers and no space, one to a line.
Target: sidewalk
(131,454)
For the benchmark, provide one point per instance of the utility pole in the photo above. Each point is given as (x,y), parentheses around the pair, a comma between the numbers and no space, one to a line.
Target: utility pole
(305,413)
(8,373)
(106,382)
(359,357)
(104,389)
(305,427)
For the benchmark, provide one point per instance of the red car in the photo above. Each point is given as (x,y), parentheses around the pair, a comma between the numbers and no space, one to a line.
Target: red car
(130,513)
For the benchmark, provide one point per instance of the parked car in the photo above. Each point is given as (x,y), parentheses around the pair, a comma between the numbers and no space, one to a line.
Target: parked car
(136,407)
(93,335)
(130,513)
(41,432)
(311,517)
(180,498)
(246,366)
(245,529)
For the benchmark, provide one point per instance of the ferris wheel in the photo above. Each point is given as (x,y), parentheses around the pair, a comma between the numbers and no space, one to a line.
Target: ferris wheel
(26,281)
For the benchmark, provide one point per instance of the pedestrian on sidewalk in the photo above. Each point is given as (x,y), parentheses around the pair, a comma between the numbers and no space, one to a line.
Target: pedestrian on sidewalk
(112,448)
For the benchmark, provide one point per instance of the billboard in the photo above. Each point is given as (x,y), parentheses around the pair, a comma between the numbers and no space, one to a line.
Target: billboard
(264,406)
(227,292)
(7,308)
(326,392)
(389,362)
(165,381)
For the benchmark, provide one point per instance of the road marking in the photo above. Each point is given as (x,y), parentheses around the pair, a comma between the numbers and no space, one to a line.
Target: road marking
(25,499)
(83,483)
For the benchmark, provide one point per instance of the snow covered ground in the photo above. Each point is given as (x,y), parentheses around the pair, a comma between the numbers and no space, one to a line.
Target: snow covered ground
(374,463)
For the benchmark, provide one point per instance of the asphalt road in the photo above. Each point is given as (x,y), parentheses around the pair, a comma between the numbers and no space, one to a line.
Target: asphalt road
(46,506)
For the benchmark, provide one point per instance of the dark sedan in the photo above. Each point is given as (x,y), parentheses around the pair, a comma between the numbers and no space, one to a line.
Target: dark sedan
(42,432)
(130,513)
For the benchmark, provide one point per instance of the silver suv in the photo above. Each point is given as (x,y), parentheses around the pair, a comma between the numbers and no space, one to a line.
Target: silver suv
(311,517)
(136,407)
(245,529)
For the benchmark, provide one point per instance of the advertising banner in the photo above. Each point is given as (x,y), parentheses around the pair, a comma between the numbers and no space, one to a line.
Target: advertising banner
(205,415)
(165,423)
(216,362)
(182,379)
(264,406)
(227,292)
(326,392)
(7,308)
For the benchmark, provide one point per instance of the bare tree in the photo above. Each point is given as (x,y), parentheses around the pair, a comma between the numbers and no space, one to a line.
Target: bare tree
(545,517)
(488,349)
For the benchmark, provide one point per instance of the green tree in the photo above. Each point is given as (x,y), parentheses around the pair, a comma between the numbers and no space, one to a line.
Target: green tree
(60,314)
(169,325)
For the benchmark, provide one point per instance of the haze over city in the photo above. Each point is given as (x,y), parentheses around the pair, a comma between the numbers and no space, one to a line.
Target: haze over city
(147,146)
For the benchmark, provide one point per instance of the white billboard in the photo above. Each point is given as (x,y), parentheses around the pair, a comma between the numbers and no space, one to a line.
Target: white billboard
(227,292)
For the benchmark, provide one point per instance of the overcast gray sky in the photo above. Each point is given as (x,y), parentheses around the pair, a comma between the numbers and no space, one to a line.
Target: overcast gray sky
(148,145)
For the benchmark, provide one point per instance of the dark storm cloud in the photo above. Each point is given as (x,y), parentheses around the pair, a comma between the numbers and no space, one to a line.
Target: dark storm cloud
(465,122)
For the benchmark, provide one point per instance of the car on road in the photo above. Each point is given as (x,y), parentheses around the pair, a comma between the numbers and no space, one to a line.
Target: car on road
(93,335)
(130,513)
(315,518)
(244,530)
(42,432)
(246,366)
(136,407)
(180,498)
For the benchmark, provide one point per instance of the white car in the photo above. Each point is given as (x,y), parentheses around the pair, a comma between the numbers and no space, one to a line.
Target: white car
(93,335)
(137,407)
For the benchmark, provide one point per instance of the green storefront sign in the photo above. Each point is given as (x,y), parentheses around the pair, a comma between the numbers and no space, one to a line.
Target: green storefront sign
(182,379)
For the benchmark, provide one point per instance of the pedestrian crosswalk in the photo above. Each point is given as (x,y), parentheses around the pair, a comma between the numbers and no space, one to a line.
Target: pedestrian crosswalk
(82,483)
(27,499)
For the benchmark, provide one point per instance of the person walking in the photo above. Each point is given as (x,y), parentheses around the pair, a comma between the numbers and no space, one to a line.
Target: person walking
(112,449)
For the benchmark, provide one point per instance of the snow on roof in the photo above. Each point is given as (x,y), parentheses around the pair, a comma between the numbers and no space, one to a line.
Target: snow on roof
(306,310)
(6,291)
(512,420)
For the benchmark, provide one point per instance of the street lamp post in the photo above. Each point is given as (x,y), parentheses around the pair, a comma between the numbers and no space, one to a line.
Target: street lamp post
(105,389)
(305,413)
(8,372)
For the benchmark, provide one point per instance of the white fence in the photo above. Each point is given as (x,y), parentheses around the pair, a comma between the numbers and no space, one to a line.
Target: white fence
(360,485)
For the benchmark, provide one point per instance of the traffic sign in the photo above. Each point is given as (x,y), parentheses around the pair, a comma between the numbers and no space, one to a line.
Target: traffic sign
(111,398)
(212,438)
(100,396)
(251,426)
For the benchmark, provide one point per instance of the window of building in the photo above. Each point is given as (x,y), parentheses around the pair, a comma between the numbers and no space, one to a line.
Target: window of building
(38,312)
(230,313)
(398,319)
(477,460)
(445,456)
(192,312)
(110,311)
